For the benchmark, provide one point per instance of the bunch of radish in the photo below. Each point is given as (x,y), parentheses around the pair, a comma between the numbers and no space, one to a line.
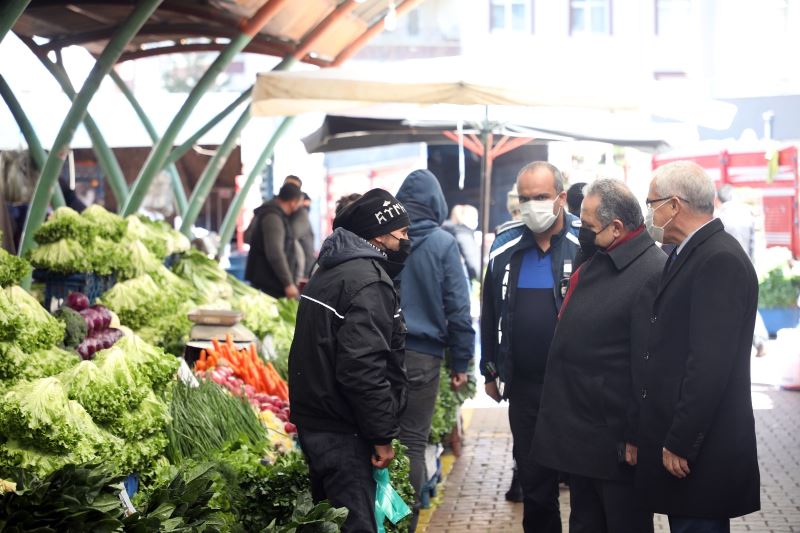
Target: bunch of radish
(100,336)
(224,376)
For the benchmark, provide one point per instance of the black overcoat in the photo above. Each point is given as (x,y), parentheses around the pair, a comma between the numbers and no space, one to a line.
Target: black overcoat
(588,391)
(693,377)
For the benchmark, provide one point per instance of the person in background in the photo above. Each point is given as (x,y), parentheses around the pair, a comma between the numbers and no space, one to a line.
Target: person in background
(514,492)
(272,261)
(462,225)
(344,201)
(301,228)
(575,198)
(522,293)
(697,458)
(347,380)
(738,219)
(435,298)
(586,425)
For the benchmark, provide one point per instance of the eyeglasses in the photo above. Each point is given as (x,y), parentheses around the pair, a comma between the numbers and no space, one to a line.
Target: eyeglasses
(649,203)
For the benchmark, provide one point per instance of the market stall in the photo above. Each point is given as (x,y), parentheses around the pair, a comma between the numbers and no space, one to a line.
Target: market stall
(106,423)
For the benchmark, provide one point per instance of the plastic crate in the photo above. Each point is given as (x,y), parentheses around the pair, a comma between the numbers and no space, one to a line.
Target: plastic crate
(58,286)
(171,259)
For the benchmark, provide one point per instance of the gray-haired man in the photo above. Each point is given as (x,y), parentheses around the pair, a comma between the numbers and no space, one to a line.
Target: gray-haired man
(697,443)
(587,416)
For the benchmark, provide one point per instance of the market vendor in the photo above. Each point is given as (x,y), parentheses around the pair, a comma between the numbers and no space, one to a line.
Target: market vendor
(347,377)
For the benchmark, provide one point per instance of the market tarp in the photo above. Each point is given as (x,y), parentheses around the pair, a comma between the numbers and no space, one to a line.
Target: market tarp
(346,133)
(439,81)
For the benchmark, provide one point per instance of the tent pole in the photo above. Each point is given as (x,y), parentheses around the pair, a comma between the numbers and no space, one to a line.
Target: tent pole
(10,13)
(105,155)
(179,152)
(229,223)
(214,166)
(486,187)
(55,160)
(211,171)
(158,155)
(175,177)
(34,145)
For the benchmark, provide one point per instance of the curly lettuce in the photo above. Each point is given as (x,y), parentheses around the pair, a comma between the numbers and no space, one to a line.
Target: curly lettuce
(10,318)
(39,412)
(156,366)
(65,256)
(65,223)
(12,269)
(39,328)
(108,225)
(137,301)
(17,365)
(147,419)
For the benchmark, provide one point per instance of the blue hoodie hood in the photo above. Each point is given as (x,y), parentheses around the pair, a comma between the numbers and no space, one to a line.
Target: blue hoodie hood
(422,196)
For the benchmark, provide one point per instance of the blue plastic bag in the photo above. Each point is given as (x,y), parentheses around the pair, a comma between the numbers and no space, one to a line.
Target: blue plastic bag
(388,503)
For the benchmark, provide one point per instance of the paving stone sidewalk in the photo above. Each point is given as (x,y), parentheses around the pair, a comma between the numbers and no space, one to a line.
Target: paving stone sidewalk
(474,490)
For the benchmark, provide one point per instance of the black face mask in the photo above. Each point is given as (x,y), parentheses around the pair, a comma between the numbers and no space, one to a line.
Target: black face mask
(395,259)
(586,238)
(399,256)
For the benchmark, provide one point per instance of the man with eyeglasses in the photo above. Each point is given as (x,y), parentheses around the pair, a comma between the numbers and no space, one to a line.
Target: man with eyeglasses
(524,287)
(697,459)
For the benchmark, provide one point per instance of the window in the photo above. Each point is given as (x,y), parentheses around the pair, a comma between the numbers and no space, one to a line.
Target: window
(672,16)
(590,16)
(413,22)
(511,15)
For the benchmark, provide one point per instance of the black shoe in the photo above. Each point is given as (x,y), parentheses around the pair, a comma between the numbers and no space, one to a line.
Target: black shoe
(514,493)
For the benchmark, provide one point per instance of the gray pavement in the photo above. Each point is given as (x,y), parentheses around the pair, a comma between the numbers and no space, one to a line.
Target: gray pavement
(473,493)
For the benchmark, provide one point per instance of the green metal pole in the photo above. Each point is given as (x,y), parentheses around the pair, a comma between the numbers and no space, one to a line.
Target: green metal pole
(178,152)
(34,145)
(158,155)
(55,160)
(10,11)
(210,173)
(175,178)
(105,155)
(229,223)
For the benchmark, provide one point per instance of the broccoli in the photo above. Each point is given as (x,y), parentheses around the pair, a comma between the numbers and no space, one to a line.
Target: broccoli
(76,328)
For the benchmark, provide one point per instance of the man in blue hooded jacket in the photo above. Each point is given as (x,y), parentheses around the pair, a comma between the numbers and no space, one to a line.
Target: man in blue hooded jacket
(435,299)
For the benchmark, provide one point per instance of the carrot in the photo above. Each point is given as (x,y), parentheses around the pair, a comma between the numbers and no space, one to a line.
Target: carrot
(216,345)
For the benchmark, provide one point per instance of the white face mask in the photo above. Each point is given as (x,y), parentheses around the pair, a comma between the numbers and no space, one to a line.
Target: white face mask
(538,214)
(656,232)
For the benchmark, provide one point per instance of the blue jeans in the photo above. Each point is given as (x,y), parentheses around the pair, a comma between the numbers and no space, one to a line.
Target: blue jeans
(699,525)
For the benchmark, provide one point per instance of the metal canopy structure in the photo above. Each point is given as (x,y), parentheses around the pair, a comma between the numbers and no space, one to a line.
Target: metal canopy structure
(202,26)
(320,32)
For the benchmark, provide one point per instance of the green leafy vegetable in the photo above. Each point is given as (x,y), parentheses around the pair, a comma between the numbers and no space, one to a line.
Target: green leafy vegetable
(206,418)
(39,412)
(66,256)
(210,281)
(108,225)
(71,499)
(74,325)
(65,223)
(12,269)
(39,329)
(137,301)
(17,365)
(321,517)
(147,419)
(153,364)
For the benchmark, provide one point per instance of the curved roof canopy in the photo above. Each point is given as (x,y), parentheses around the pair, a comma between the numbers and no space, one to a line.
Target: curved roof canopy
(203,25)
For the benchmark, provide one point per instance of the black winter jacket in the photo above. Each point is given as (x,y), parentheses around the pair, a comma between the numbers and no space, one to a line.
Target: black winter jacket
(346,365)
(585,415)
(691,367)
